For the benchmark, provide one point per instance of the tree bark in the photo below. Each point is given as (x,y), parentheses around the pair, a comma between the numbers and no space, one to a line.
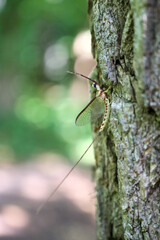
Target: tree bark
(126,45)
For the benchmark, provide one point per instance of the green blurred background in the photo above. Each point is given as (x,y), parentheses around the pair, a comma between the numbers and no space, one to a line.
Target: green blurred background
(39,41)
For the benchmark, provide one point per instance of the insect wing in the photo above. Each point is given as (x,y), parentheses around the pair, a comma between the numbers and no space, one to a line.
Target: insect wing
(92,111)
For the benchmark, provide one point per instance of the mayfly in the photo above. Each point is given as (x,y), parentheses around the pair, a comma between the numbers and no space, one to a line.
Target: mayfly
(98,105)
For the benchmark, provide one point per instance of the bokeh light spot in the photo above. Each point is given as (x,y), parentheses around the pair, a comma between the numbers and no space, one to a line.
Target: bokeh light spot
(14,216)
(55,58)
(2,4)
(82,44)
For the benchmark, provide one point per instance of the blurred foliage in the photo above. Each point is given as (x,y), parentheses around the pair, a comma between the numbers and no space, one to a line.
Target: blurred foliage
(36,38)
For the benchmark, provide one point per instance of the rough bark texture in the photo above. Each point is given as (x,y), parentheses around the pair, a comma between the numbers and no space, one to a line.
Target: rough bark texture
(126,45)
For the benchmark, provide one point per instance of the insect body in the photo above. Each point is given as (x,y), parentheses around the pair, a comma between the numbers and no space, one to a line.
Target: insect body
(98,105)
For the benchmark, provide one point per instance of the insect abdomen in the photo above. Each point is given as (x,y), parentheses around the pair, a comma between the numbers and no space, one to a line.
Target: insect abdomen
(106,115)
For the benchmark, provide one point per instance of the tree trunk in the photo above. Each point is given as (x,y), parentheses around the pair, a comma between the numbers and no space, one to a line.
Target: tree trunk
(126,45)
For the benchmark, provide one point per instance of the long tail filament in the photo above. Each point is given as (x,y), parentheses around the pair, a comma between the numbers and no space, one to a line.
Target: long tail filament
(62,181)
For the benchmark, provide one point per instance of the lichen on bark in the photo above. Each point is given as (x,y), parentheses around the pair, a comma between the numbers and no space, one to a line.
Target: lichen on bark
(127,161)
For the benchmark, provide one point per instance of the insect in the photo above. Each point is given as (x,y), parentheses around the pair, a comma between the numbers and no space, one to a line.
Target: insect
(98,105)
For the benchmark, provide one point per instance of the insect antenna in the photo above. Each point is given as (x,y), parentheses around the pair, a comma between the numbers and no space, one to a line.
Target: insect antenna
(79,74)
(62,181)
